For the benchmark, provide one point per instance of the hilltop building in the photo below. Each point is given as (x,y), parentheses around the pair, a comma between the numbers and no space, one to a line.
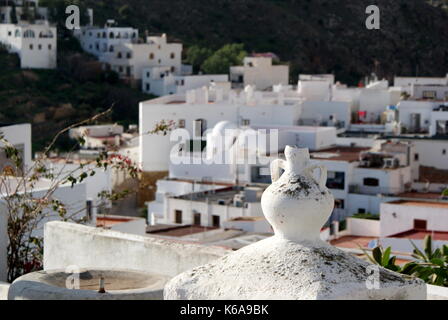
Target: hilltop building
(259,71)
(25,30)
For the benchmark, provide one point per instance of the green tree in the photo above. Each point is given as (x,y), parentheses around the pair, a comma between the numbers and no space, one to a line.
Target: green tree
(220,62)
(197,55)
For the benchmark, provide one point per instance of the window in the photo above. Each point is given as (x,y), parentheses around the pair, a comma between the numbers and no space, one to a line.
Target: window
(245,122)
(120,69)
(336,180)
(17,33)
(9,33)
(429,94)
(111,35)
(173,69)
(361,210)
(442,127)
(119,55)
(371,182)
(151,56)
(197,219)
(339,203)
(199,127)
(111,49)
(420,224)
(46,34)
(444,151)
(148,87)
(31,47)
(29,34)
(178,216)
(216,221)
(172,55)
(39,47)
(415,156)
(128,55)
(50,47)
(181,123)
(159,61)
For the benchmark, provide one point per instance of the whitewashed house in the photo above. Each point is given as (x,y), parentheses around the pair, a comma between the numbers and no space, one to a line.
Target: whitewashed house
(19,136)
(202,109)
(99,41)
(162,81)
(259,71)
(405,83)
(36,44)
(129,59)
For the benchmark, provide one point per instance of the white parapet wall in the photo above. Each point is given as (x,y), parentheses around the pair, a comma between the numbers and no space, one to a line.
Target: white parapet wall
(4,288)
(69,244)
(363,227)
(437,292)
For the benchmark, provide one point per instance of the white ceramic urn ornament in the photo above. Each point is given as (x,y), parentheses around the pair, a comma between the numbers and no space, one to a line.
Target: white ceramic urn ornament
(297,204)
(294,263)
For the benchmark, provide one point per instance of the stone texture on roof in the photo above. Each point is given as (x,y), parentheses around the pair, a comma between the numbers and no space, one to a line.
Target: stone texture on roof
(277,269)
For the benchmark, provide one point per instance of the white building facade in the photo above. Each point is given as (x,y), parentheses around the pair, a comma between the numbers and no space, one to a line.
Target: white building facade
(36,44)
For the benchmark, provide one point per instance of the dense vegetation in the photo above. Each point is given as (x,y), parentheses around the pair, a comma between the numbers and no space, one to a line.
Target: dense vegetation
(313,35)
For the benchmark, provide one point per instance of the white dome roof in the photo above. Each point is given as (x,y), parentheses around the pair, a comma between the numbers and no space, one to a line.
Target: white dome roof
(221,127)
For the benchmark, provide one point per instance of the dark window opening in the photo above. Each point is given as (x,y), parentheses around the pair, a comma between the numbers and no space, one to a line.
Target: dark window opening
(420,224)
(215,221)
(197,219)
(336,180)
(178,216)
(371,182)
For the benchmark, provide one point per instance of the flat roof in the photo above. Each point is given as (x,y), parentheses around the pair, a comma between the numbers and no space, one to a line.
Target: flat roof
(339,153)
(421,234)
(420,195)
(433,175)
(178,231)
(352,242)
(109,221)
(443,205)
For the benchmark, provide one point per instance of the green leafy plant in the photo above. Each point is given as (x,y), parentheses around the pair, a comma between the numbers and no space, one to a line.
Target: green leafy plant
(430,265)
(382,257)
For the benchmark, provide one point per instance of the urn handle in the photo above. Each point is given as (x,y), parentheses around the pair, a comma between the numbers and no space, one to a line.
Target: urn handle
(275,168)
(323,174)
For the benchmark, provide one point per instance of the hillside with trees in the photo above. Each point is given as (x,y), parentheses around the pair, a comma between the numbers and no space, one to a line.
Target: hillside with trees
(315,36)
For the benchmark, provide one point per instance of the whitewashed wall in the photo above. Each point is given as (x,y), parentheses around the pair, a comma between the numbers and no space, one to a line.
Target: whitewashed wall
(363,227)
(67,244)
(19,134)
(396,218)
(430,152)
